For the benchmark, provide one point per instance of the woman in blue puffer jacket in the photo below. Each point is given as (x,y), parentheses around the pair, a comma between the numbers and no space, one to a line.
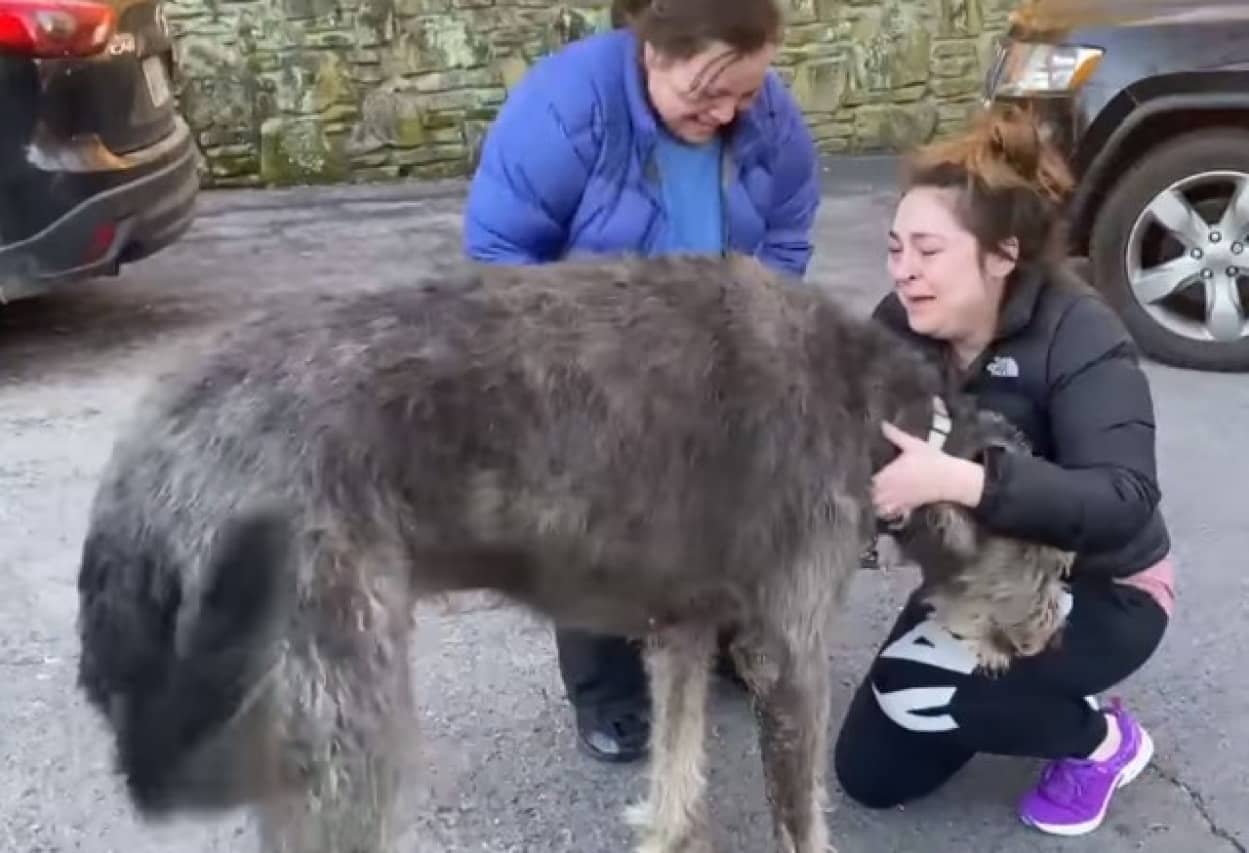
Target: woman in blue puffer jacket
(671,134)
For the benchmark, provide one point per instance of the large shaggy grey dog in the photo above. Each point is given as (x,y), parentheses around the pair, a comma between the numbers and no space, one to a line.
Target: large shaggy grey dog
(662,448)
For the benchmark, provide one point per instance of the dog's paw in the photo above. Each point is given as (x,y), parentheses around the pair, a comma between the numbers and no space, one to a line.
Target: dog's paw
(639,815)
(992,661)
(691,837)
(828,847)
(816,842)
(697,843)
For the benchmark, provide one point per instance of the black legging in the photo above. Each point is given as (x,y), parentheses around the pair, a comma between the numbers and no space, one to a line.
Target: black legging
(607,673)
(904,745)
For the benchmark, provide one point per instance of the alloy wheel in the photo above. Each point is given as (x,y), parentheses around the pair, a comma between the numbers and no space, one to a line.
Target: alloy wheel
(1187,257)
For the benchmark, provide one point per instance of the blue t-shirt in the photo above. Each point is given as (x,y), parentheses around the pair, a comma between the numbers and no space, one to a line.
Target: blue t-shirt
(690,176)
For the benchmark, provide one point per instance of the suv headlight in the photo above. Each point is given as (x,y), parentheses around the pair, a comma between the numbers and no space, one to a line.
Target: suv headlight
(1044,69)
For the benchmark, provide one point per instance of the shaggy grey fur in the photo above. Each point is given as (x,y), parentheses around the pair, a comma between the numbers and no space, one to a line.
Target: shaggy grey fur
(657,448)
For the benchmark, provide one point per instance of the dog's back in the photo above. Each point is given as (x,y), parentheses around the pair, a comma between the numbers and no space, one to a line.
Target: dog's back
(519,423)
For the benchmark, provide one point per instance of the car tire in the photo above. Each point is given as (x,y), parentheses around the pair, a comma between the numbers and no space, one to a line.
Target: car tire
(1192,154)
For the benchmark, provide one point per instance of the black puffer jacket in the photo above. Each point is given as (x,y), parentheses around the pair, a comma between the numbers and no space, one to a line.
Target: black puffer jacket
(1063,369)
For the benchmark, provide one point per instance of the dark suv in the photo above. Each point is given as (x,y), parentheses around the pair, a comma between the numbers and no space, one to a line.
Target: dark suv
(1150,99)
(97,168)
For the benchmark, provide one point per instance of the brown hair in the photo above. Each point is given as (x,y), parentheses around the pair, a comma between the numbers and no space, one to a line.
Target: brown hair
(1011,182)
(682,28)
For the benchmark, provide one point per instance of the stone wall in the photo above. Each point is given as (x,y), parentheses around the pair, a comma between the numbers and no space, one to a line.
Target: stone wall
(308,91)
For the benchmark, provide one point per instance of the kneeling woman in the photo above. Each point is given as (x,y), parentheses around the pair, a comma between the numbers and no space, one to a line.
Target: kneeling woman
(974,254)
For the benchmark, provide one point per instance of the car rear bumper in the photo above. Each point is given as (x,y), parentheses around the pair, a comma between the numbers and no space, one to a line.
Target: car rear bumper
(149,205)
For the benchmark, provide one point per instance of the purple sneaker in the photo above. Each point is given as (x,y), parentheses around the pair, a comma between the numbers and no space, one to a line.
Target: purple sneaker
(1073,794)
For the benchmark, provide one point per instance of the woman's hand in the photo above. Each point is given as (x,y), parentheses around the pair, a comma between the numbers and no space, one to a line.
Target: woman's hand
(923,474)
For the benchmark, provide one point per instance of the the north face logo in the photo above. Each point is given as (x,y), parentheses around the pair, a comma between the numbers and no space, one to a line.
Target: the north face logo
(1003,367)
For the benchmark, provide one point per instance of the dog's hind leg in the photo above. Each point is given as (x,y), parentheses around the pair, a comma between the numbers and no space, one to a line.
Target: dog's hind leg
(673,817)
(346,717)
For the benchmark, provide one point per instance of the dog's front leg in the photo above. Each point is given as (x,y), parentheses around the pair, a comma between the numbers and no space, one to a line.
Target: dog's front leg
(673,817)
(793,710)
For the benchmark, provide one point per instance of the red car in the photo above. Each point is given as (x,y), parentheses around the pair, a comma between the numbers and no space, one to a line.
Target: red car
(97,168)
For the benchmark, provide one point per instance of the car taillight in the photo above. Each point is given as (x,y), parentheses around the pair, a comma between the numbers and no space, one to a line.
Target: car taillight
(55,28)
(100,242)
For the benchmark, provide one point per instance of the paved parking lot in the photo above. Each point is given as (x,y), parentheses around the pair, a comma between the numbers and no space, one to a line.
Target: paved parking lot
(503,774)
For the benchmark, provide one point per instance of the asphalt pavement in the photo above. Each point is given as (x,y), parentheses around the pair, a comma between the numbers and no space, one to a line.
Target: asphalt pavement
(499,769)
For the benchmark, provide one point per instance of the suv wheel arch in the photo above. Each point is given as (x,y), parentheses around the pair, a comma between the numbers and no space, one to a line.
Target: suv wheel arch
(1145,126)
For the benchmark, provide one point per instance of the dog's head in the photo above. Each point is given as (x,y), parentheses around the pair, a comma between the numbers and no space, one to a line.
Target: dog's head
(1005,589)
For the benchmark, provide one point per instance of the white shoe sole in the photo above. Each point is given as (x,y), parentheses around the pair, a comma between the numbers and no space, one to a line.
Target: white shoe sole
(1129,773)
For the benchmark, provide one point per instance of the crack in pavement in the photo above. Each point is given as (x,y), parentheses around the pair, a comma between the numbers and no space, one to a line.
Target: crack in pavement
(1199,803)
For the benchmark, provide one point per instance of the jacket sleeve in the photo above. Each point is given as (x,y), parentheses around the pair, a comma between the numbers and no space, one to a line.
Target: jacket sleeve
(535,161)
(1101,487)
(796,192)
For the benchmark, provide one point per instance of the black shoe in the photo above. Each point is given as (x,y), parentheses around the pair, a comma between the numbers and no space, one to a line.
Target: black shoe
(726,670)
(617,733)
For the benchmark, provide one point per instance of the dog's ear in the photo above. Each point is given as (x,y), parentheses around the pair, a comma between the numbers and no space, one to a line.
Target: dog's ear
(954,528)
(995,431)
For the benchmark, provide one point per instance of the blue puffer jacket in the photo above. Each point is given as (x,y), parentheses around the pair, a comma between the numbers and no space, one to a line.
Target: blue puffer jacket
(566,167)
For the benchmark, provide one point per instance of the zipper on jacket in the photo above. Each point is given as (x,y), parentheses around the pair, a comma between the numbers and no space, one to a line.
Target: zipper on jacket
(653,182)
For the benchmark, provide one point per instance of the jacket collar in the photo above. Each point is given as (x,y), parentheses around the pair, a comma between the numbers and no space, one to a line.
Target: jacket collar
(744,136)
(1020,306)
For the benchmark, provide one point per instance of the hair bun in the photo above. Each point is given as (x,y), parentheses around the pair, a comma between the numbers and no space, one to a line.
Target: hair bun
(1016,142)
(1004,147)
